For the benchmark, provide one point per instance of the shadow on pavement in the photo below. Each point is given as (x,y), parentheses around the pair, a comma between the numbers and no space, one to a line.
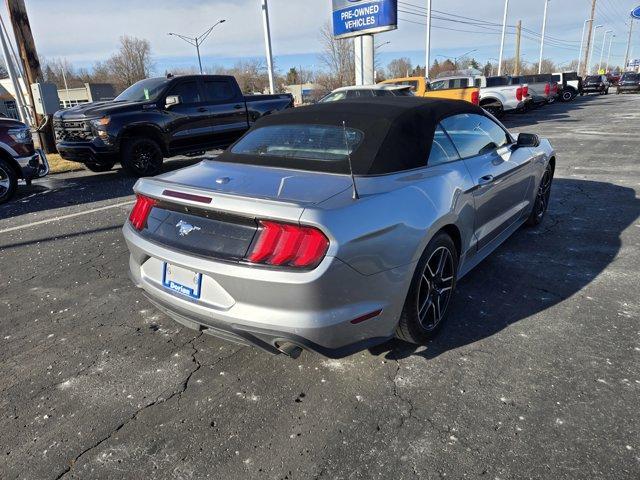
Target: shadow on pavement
(556,112)
(536,268)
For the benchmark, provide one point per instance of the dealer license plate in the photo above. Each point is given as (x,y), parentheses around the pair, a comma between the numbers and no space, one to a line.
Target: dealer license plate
(182,281)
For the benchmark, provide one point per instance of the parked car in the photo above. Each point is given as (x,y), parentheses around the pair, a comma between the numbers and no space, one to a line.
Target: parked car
(452,90)
(336,226)
(539,88)
(629,83)
(497,96)
(19,160)
(158,118)
(596,84)
(570,85)
(368,91)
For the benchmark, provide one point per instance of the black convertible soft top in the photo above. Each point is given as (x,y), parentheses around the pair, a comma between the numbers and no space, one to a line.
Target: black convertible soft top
(398,132)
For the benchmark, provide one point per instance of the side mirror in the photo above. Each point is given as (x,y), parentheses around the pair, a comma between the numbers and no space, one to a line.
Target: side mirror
(171,101)
(528,140)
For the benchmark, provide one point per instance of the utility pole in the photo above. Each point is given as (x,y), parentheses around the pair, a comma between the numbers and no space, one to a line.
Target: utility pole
(626,55)
(504,31)
(586,54)
(544,29)
(518,36)
(267,43)
(197,41)
(30,62)
(428,54)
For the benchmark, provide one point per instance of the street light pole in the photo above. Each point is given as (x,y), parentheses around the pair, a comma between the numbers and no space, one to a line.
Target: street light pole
(428,45)
(590,53)
(267,42)
(609,54)
(626,54)
(197,41)
(584,26)
(544,28)
(504,31)
(604,41)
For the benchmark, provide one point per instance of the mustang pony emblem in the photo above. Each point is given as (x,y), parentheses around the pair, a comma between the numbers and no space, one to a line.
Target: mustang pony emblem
(185,228)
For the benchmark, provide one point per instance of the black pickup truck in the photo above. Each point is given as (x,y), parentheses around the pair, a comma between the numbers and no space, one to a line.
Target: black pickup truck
(160,117)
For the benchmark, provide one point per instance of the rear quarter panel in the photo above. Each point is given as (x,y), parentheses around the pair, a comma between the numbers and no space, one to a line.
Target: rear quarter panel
(396,216)
(465,94)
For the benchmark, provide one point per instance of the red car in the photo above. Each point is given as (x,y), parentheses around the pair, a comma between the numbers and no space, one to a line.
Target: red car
(18,158)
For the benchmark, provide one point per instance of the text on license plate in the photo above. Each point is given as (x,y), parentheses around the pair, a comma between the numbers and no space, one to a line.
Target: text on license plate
(181,280)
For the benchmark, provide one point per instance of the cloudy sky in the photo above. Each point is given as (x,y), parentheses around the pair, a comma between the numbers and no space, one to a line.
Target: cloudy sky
(83,31)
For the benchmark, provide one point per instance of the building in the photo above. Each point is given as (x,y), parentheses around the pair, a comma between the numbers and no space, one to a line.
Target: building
(305,92)
(91,92)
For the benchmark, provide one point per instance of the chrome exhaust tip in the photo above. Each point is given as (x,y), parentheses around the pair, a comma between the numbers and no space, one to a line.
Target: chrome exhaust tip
(290,349)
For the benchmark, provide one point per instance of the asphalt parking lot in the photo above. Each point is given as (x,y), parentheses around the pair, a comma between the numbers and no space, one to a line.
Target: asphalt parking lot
(536,375)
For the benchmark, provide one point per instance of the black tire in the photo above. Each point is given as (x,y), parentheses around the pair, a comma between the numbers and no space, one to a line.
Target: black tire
(568,95)
(432,287)
(141,157)
(541,204)
(8,181)
(99,167)
(496,111)
(606,92)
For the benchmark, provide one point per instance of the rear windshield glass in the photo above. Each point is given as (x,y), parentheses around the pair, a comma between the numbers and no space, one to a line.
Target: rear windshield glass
(308,142)
(593,78)
(630,76)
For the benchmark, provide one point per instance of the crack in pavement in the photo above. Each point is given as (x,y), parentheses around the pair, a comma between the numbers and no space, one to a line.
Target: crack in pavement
(159,400)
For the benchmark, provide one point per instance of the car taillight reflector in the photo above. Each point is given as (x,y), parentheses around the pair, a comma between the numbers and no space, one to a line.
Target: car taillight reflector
(141,210)
(519,93)
(286,244)
(547,89)
(475,98)
(525,91)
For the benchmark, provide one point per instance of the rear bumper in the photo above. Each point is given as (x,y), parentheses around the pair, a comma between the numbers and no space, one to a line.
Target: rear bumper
(84,152)
(593,89)
(628,88)
(265,307)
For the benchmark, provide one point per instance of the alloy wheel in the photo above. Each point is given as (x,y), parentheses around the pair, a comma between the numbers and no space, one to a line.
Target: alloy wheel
(436,285)
(5,182)
(144,157)
(544,192)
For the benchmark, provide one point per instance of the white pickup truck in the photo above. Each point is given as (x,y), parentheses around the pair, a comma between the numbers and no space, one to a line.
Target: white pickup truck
(497,96)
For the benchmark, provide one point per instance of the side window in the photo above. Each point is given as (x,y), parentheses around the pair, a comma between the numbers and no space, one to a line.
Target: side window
(474,134)
(439,85)
(187,91)
(353,93)
(382,93)
(442,150)
(218,90)
(459,83)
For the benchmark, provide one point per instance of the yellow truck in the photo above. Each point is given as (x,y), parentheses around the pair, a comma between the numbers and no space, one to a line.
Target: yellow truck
(453,89)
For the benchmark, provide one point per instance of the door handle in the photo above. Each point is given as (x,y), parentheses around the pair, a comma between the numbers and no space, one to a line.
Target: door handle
(202,109)
(486,180)
(237,107)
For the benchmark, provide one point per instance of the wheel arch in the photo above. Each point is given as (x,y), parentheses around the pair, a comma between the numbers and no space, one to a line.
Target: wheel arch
(145,131)
(454,233)
(11,162)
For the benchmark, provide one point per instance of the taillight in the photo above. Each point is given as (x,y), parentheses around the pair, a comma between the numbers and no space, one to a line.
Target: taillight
(284,244)
(525,91)
(547,89)
(475,97)
(141,210)
(519,93)
(555,88)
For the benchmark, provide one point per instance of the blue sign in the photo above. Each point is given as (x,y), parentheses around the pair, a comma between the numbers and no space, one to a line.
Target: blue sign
(360,17)
(635,13)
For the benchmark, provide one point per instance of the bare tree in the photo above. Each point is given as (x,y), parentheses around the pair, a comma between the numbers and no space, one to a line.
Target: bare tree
(338,58)
(131,63)
(400,67)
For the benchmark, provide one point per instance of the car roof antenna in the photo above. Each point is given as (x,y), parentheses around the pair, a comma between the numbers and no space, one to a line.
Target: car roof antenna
(346,144)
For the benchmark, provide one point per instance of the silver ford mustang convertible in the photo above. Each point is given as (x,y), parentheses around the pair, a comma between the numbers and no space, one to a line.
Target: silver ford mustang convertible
(337,226)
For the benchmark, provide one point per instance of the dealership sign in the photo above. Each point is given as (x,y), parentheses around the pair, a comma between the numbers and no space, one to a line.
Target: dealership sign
(635,13)
(359,17)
